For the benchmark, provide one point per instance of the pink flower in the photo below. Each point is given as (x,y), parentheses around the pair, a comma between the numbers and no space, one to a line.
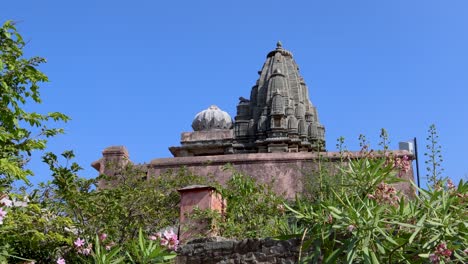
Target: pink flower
(385,194)
(86,251)
(441,247)
(173,243)
(169,233)
(110,245)
(170,239)
(433,258)
(447,253)
(351,228)
(440,251)
(450,184)
(6,202)
(60,261)
(167,239)
(102,236)
(330,218)
(164,242)
(79,242)
(2,213)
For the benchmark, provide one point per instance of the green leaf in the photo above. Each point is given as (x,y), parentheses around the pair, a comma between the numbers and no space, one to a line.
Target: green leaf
(374,258)
(418,228)
(334,209)
(367,259)
(434,223)
(387,237)
(331,259)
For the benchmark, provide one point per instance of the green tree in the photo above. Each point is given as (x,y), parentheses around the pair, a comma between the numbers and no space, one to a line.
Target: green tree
(21,132)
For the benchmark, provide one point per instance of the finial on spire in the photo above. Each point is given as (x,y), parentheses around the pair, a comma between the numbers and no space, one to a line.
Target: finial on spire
(279,45)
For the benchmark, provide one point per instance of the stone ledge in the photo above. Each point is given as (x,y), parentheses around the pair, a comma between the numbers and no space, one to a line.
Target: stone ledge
(260,158)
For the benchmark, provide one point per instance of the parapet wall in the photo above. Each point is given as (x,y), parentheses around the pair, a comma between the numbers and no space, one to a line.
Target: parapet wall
(224,251)
(286,170)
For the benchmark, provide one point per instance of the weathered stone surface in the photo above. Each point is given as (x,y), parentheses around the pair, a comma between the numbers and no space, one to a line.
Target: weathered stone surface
(288,171)
(211,119)
(239,252)
(199,136)
(202,197)
(279,117)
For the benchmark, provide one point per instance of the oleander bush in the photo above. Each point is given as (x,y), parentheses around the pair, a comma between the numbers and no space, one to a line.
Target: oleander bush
(367,220)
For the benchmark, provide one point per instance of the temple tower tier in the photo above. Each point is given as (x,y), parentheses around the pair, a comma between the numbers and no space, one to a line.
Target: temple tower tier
(279,117)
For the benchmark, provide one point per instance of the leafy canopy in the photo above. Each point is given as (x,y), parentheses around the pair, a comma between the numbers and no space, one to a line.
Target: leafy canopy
(21,131)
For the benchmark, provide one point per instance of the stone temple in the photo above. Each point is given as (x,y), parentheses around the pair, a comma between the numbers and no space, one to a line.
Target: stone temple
(278,117)
(276,136)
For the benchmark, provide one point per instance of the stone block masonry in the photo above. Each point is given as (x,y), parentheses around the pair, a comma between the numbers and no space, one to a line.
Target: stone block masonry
(288,171)
(225,251)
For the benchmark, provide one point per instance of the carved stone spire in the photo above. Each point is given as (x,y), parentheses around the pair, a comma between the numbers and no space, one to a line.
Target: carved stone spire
(279,115)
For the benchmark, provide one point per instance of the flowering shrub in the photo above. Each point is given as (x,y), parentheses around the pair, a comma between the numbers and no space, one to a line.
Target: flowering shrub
(153,251)
(367,221)
(385,194)
(167,239)
(253,209)
(63,221)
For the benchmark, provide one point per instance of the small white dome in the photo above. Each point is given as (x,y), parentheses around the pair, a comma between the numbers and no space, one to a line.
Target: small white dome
(212,118)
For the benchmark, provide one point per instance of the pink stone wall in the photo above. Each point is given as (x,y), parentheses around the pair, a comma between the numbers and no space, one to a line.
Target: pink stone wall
(201,197)
(286,170)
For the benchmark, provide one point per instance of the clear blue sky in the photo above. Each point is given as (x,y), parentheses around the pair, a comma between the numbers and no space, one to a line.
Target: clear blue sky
(135,73)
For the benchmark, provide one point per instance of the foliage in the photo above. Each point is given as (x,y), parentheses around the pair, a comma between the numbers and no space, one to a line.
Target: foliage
(19,85)
(133,202)
(369,222)
(434,154)
(146,251)
(69,210)
(101,255)
(23,231)
(36,232)
(253,209)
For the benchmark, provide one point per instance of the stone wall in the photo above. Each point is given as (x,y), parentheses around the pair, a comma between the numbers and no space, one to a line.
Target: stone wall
(288,171)
(224,251)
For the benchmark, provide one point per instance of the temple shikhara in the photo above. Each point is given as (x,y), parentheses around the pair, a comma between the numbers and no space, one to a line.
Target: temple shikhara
(275,136)
(278,117)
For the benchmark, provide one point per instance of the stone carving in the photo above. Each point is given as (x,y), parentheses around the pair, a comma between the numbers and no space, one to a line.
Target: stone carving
(278,117)
(284,119)
(212,118)
(243,100)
